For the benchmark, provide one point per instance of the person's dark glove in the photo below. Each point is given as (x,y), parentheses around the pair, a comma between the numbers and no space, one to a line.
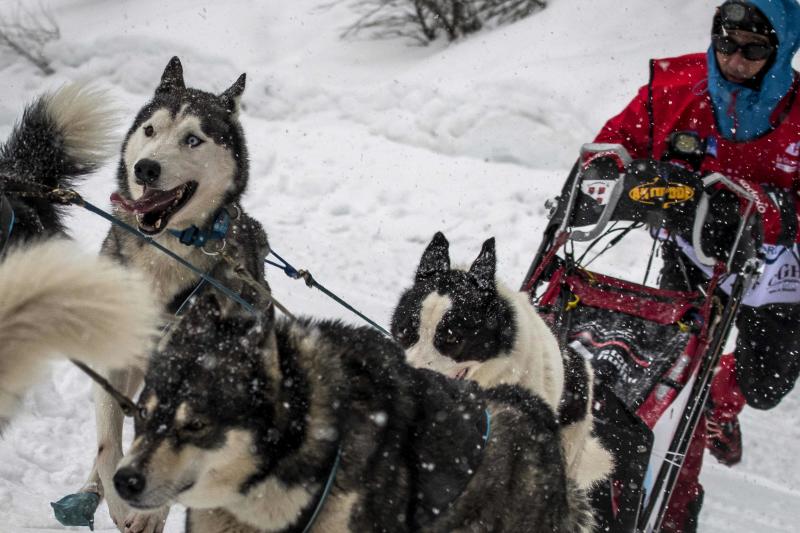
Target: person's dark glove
(767,353)
(720,225)
(719,230)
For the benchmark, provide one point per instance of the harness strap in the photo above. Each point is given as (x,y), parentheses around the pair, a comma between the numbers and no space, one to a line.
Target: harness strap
(325,491)
(126,404)
(76,199)
(488,433)
(306,276)
(438,492)
(194,236)
(266,294)
(7,220)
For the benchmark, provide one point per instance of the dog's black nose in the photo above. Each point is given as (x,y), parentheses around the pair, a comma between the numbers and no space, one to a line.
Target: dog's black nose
(147,171)
(129,482)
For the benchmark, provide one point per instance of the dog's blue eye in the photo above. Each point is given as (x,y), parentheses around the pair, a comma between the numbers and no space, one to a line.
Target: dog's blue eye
(193,141)
(148,131)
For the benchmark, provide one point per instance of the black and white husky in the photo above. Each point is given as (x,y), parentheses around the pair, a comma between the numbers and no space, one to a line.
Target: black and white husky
(55,299)
(258,426)
(466,325)
(181,175)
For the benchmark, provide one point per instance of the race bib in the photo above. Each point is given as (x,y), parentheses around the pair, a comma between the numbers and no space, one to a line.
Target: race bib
(779,284)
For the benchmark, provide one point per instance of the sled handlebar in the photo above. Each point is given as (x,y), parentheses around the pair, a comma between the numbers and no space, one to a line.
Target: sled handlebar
(702,213)
(616,190)
(591,151)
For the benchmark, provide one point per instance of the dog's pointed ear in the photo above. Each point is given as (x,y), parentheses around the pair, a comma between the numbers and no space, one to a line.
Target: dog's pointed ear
(485,265)
(172,78)
(233,95)
(436,257)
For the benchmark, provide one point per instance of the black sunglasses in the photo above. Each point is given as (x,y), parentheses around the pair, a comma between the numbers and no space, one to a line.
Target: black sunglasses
(750,51)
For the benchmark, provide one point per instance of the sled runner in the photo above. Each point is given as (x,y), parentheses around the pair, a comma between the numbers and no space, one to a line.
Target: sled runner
(653,350)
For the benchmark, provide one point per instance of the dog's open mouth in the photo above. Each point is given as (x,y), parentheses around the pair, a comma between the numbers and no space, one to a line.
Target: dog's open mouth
(155,207)
(461,373)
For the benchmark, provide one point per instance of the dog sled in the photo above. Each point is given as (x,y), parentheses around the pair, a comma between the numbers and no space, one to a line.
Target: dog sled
(653,350)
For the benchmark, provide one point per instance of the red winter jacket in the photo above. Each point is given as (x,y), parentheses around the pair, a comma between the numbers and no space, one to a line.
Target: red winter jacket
(680,101)
(768,345)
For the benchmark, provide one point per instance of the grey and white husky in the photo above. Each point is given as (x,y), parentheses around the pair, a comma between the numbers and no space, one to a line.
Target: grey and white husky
(466,325)
(259,425)
(55,299)
(181,175)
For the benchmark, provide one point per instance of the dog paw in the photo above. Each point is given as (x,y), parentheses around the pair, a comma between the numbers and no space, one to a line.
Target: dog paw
(129,520)
(141,522)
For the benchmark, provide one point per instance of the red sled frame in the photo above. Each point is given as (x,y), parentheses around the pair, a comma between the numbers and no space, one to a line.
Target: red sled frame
(569,286)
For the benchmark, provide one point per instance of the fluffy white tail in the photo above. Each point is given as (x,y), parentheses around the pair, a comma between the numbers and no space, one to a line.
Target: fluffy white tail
(84,117)
(55,300)
(61,137)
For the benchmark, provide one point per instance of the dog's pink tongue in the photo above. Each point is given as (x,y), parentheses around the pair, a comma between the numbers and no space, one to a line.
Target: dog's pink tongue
(151,200)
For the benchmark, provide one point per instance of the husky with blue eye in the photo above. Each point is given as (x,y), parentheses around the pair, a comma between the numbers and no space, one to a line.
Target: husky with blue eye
(181,176)
(466,325)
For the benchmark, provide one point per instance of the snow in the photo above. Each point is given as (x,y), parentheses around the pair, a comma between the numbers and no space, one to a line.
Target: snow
(360,150)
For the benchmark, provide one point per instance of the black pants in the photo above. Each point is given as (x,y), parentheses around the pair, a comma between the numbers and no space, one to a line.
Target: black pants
(768,346)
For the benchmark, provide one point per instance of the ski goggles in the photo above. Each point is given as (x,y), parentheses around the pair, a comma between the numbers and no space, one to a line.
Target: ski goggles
(738,15)
(751,51)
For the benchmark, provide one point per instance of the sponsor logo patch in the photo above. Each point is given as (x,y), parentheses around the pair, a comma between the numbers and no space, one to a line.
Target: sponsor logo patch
(598,190)
(788,162)
(657,191)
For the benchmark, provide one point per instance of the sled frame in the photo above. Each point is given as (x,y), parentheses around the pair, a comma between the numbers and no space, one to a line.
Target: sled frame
(559,232)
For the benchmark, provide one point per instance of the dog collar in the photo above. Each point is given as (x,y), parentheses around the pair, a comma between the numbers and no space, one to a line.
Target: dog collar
(194,236)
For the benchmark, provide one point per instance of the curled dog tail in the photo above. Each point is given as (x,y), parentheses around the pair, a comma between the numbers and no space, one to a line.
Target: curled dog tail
(63,135)
(55,300)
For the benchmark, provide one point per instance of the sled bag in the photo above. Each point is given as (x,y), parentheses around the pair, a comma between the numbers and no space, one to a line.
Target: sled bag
(640,340)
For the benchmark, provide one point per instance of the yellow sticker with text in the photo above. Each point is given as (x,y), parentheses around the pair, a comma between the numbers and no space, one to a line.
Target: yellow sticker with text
(657,191)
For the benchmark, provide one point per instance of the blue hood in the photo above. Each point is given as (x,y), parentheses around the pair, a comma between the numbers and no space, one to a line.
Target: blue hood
(749,117)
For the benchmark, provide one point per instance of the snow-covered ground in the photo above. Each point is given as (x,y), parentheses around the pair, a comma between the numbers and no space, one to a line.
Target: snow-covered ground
(360,151)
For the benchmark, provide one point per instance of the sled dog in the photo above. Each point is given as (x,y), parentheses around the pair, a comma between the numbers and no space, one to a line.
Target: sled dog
(55,300)
(467,325)
(259,425)
(182,172)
